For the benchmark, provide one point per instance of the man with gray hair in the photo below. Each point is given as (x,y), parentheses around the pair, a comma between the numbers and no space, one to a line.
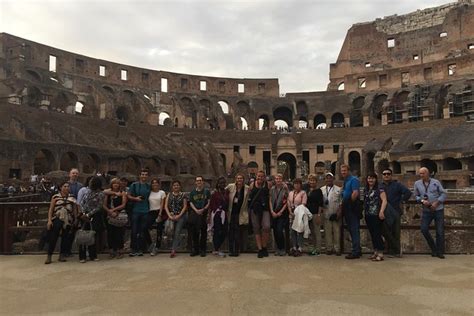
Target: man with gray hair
(431,194)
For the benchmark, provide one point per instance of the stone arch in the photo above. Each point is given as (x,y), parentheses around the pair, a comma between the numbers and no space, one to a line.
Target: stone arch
(34,96)
(340,86)
(430,164)
(452,164)
(224,105)
(68,161)
(34,75)
(243,111)
(153,165)
(44,162)
(396,107)
(354,162)
(164,119)
(263,122)
(319,121)
(128,95)
(62,103)
(337,120)
(171,168)
(286,165)
(376,109)
(122,113)
(283,113)
(91,163)
(396,167)
(132,165)
(383,165)
(356,116)
(303,122)
(108,90)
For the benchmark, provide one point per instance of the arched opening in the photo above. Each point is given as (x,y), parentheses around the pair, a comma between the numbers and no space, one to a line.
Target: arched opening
(396,167)
(354,162)
(171,168)
(284,114)
(302,122)
(320,122)
(153,165)
(397,107)
(62,104)
(78,108)
(430,164)
(286,165)
(44,162)
(252,169)
(243,124)
(337,120)
(376,109)
(356,116)
(263,122)
(319,167)
(91,164)
(224,161)
(34,96)
(383,165)
(340,86)
(164,119)
(33,75)
(224,107)
(132,165)
(452,164)
(128,96)
(122,113)
(68,161)
(281,125)
(369,163)
(176,121)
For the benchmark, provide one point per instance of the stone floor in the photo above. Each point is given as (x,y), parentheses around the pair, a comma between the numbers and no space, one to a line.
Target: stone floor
(324,285)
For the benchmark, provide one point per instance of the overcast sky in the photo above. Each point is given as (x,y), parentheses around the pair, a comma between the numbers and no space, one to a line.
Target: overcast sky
(294,41)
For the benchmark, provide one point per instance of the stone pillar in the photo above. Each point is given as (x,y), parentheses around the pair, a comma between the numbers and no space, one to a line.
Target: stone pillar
(384,119)
(366,120)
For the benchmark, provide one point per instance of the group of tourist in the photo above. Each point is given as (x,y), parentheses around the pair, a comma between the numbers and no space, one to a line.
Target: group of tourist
(85,213)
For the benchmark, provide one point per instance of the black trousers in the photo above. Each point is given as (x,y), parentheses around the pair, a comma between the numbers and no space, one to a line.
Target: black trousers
(115,237)
(235,234)
(392,236)
(280,227)
(219,233)
(53,235)
(198,230)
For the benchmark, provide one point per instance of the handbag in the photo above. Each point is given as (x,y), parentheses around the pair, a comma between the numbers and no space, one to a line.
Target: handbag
(120,220)
(85,237)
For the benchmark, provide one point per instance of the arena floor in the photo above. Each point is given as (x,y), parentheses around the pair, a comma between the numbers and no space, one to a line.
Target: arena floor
(324,285)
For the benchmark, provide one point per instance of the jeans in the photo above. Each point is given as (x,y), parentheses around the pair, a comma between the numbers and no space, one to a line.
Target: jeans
(392,236)
(178,227)
(427,217)
(54,233)
(353,225)
(280,225)
(297,239)
(138,227)
(150,220)
(374,224)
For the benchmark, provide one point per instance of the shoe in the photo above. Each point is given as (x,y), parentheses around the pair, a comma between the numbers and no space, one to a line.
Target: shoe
(292,251)
(62,258)
(265,252)
(82,261)
(351,256)
(314,253)
(378,258)
(260,254)
(140,254)
(373,256)
(441,256)
(193,254)
(95,259)
(282,253)
(298,253)
(203,254)
(48,260)
(221,254)
(132,254)
(173,254)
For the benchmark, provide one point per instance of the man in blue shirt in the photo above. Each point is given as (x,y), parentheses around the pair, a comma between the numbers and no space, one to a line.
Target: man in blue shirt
(352,209)
(431,194)
(139,193)
(396,192)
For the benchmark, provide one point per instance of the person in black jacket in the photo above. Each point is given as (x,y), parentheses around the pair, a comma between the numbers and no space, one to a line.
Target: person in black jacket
(396,193)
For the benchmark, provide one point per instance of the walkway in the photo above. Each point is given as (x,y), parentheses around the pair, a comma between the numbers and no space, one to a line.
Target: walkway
(325,285)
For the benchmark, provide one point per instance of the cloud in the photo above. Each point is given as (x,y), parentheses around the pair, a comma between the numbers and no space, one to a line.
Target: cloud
(294,41)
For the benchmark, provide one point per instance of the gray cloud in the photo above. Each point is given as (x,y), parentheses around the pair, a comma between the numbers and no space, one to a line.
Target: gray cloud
(294,41)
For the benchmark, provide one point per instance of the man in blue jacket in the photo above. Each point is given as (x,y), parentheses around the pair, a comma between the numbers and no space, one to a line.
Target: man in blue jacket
(431,194)
(396,193)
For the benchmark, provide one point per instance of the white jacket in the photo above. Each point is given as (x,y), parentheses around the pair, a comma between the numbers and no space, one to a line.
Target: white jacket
(301,220)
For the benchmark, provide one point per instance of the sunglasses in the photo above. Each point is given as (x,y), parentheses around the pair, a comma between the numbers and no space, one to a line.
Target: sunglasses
(386,174)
